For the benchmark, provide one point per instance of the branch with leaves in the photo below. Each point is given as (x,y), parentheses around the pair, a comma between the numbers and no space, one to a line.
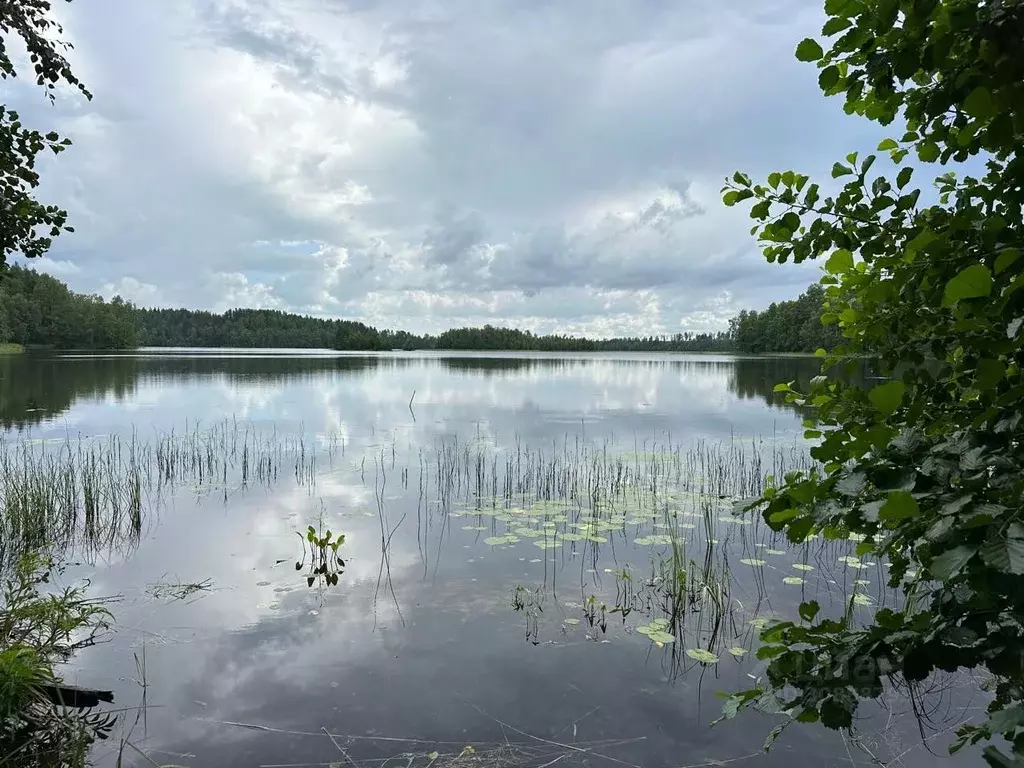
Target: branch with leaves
(926,470)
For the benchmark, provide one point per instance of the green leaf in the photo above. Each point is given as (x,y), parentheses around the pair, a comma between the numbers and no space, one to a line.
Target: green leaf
(972,282)
(701,655)
(730,198)
(904,177)
(1006,719)
(898,506)
(1004,554)
(809,610)
(928,151)
(1005,259)
(809,50)
(888,397)
(990,373)
(841,170)
(835,25)
(829,77)
(950,562)
(885,144)
(839,262)
(979,103)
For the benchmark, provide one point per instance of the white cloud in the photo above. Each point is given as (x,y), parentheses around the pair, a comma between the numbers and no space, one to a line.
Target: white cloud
(429,165)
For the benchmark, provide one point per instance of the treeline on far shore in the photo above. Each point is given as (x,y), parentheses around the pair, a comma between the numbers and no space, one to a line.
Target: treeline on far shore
(39,310)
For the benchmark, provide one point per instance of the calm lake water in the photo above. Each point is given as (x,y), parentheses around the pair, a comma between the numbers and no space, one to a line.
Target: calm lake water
(521,533)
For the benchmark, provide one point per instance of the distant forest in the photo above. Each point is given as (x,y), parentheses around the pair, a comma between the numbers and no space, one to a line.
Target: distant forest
(39,310)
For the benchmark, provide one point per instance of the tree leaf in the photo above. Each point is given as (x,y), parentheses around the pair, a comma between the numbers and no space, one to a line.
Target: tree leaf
(1004,554)
(1005,259)
(950,562)
(973,282)
(899,505)
(839,262)
(888,397)
(809,610)
(979,103)
(809,50)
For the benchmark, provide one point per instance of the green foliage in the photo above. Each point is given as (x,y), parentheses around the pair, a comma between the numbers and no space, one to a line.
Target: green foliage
(27,226)
(926,467)
(41,627)
(786,326)
(39,309)
(252,328)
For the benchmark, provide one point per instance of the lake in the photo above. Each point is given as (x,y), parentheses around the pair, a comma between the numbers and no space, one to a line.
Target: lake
(540,562)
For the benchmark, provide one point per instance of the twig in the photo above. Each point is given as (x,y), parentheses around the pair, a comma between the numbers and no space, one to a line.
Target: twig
(549,741)
(339,747)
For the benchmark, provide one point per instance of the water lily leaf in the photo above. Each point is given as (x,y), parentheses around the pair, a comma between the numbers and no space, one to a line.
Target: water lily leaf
(803,567)
(662,637)
(861,599)
(758,622)
(737,651)
(571,621)
(775,551)
(476,528)
(792,580)
(701,655)
(752,561)
(734,520)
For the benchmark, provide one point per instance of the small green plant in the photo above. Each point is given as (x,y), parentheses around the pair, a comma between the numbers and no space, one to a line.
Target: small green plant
(39,629)
(324,558)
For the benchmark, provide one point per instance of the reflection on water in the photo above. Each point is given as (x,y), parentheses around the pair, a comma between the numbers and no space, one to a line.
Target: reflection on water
(36,388)
(531,561)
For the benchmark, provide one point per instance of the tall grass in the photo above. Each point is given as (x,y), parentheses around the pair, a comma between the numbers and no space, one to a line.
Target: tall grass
(94,493)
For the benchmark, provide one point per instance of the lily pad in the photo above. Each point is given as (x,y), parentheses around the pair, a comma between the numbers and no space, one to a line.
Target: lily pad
(803,567)
(733,521)
(702,655)
(861,599)
(752,561)
(793,580)
(653,540)
(662,637)
(571,621)
(758,622)
(775,551)
(496,541)
(476,528)
(737,651)
(547,544)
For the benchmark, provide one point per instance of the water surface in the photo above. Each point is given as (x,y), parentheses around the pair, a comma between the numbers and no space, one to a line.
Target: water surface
(509,524)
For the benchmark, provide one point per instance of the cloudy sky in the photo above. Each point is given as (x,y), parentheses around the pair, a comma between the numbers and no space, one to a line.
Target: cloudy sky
(549,164)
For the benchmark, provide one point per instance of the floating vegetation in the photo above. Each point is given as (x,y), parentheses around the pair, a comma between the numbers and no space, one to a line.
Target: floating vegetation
(702,655)
(775,551)
(803,567)
(793,580)
(497,541)
(655,630)
(475,528)
(165,590)
(655,539)
(752,561)
(861,599)
(737,651)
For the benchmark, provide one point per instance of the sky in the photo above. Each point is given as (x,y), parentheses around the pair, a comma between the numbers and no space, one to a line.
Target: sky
(553,165)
